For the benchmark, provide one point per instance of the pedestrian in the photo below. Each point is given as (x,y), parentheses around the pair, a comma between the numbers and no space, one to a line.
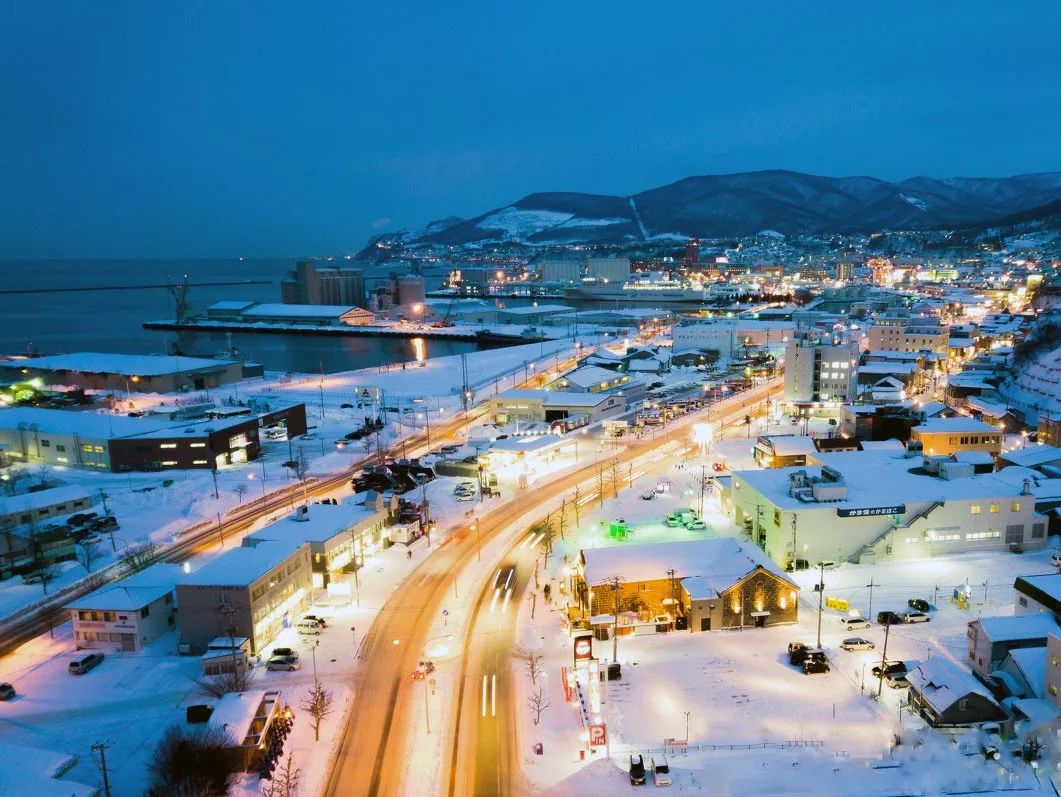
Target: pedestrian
(409,554)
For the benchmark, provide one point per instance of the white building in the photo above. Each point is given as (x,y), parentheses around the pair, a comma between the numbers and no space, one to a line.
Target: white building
(18,510)
(127,614)
(560,270)
(718,335)
(871,505)
(819,372)
(612,269)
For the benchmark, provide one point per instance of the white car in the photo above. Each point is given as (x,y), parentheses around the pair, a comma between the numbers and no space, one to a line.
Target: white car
(660,770)
(851,623)
(915,617)
(1055,559)
(857,643)
(465,496)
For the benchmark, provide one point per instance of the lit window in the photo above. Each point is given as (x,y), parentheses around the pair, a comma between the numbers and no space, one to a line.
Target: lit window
(198,461)
(974,509)
(168,445)
(197,445)
(169,462)
(994,508)
(1014,507)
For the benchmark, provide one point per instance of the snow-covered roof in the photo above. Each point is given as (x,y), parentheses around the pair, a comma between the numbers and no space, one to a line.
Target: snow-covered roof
(106,425)
(790,445)
(705,567)
(590,375)
(1014,627)
(233,304)
(1032,663)
(236,711)
(299,310)
(322,523)
(42,499)
(558,398)
(877,478)
(244,565)
(991,409)
(537,309)
(886,367)
(90,362)
(1044,588)
(1030,456)
(134,592)
(942,683)
(957,425)
(974,457)
(892,445)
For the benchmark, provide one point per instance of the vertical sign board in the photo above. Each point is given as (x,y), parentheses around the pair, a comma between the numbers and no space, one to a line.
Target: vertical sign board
(598,734)
(583,649)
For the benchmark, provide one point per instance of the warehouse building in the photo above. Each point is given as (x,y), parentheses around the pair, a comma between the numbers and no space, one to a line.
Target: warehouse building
(128,373)
(545,406)
(873,505)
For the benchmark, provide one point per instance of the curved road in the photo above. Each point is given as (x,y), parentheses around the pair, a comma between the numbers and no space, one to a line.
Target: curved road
(372,748)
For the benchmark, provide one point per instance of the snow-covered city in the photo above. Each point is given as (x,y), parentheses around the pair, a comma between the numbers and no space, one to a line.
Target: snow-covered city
(329,467)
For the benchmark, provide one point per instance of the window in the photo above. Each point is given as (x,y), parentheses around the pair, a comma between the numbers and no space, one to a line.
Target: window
(169,462)
(167,445)
(983,535)
(1022,601)
(974,509)
(197,445)
(98,449)
(994,508)
(1015,506)
(60,447)
(1053,690)
(963,704)
(1038,531)
(145,611)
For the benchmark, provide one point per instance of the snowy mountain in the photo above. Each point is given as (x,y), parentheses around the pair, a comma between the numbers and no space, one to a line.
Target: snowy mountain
(790,203)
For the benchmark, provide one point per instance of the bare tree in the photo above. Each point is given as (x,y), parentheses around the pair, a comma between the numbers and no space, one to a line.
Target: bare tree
(191,762)
(284,782)
(318,704)
(548,534)
(44,571)
(88,553)
(535,667)
(237,680)
(241,490)
(538,702)
(138,556)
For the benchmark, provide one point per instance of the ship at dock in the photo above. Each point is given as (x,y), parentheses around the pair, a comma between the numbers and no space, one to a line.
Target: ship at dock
(666,291)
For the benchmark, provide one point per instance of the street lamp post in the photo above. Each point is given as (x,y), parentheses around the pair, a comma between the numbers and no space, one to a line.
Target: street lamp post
(821,599)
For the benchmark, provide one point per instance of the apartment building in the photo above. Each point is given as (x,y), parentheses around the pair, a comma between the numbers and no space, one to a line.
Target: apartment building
(252,591)
(819,372)
(946,436)
(903,333)
(127,614)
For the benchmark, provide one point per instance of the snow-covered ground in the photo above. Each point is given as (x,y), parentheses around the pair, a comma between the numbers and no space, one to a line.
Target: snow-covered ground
(738,687)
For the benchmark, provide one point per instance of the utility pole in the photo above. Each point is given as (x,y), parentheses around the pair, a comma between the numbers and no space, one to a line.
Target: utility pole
(794,541)
(614,580)
(883,660)
(321,386)
(869,611)
(821,599)
(213,472)
(687,728)
(100,749)
(220,530)
(703,479)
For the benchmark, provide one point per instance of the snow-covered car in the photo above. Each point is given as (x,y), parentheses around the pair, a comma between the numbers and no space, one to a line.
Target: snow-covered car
(313,618)
(285,663)
(857,643)
(915,617)
(673,521)
(464,487)
(851,623)
(648,495)
(696,525)
(308,628)
(465,496)
(897,680)
(284,652)
(660,770)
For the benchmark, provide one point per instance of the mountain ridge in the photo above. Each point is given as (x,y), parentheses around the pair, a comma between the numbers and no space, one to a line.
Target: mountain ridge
(744,203)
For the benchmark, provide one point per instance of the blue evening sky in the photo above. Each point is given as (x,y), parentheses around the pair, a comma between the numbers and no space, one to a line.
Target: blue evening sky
(152,129)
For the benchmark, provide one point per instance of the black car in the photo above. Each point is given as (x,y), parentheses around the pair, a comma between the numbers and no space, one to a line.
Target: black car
(637,770)
(813,664)
(889,618)
(799,652)
(920,604)
(890,668)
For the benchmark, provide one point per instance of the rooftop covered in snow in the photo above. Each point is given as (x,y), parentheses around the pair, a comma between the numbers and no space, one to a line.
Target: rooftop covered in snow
(122,364)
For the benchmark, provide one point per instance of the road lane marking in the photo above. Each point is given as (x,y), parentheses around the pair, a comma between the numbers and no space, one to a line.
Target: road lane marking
(484,695)
(493,695)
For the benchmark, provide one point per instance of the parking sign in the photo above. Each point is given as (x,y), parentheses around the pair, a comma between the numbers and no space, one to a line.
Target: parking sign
(598,735)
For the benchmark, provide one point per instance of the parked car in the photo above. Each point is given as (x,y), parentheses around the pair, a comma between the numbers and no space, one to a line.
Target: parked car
(315,619)
(85,663)
(284,652)
(1055,558)
(660,771)
(449,449)
(637,770)
(463,486)
(889,618)
(287,663)
(802,653)
(890,667)
(696,525)
(7,692)
(35,577)
(854,623)
(897,680)
(813,664)
(308,628)
(673,521)
(915,617)
(648,495)
(919,604)
(857,643)
(465,497)
(346,406)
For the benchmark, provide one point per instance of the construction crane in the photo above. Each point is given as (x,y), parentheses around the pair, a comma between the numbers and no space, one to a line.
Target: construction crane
(178,289)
